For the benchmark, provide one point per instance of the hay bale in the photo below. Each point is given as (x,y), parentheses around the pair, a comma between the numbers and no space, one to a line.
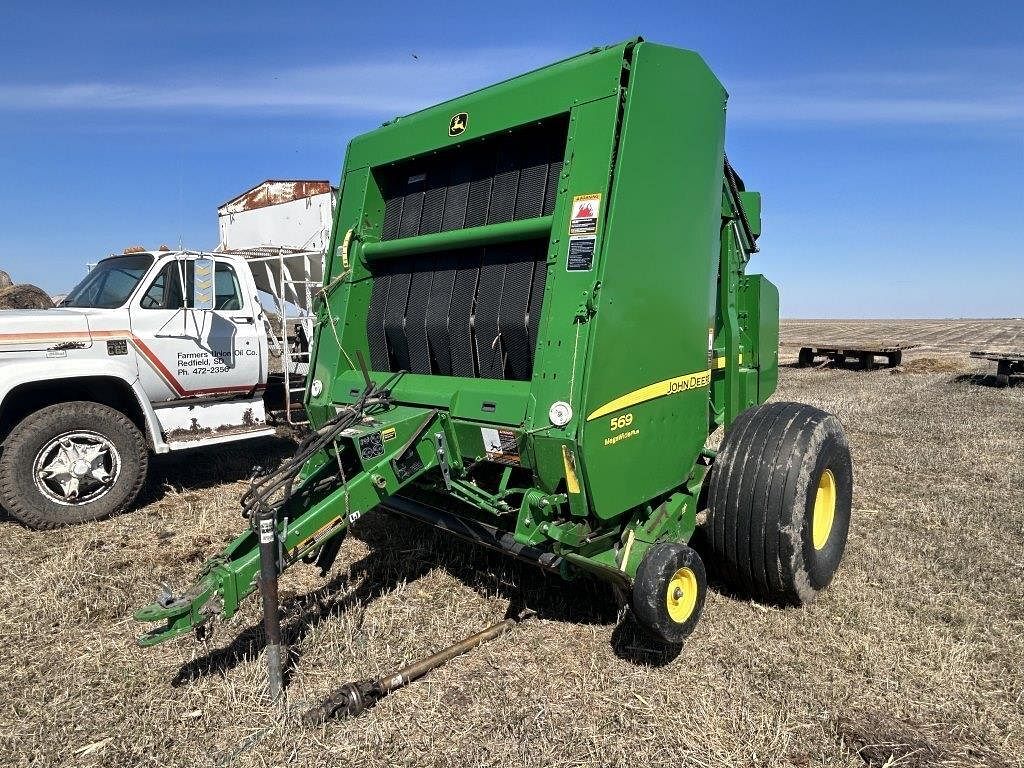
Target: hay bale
(5,279)
(24,296)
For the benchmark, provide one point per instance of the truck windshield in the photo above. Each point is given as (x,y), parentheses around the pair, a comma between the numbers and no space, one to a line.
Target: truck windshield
(110,283)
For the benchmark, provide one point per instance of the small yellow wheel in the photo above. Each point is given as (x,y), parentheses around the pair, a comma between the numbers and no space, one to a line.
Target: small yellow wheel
(681,595)
(669,590)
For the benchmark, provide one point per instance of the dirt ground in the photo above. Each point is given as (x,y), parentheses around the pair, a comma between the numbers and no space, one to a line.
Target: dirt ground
(913,657)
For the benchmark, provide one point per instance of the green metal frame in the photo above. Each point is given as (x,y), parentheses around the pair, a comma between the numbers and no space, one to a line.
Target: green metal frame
(663,341)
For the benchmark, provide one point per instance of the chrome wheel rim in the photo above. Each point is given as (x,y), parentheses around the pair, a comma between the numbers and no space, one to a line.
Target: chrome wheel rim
(76,467)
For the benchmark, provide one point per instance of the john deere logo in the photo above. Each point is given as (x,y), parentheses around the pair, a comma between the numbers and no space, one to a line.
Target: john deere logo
(458,124)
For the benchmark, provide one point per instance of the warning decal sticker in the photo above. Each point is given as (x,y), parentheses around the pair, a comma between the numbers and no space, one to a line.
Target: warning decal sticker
(581,253)
(500,445)
(585,211)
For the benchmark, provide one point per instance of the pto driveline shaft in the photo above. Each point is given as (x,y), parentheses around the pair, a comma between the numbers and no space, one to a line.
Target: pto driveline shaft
(352,699)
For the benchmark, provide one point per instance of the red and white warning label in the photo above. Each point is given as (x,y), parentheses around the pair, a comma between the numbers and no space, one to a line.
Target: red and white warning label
(500,445)
(585,211)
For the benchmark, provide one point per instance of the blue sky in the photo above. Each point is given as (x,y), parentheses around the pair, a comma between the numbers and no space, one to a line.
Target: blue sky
(887,138)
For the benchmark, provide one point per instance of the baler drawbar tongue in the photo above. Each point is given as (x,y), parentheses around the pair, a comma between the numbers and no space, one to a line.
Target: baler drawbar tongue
(364,454)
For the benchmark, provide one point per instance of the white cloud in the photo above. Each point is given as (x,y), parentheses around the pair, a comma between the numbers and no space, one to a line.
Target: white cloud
(946,95)
(387,86)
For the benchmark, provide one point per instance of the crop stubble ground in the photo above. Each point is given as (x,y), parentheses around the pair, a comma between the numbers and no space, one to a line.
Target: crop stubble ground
(913,657)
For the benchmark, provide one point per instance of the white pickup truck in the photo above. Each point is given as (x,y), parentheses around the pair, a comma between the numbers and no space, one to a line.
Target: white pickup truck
(151,352)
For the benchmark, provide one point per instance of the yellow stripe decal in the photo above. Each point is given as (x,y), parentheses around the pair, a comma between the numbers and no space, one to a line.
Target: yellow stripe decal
(652,391)
(572,480)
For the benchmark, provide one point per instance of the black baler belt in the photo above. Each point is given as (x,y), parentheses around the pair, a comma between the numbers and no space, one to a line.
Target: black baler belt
(380,289)
(454,216)
(416,319)
(510,176)
(489,349)
(506,180)
(479,192)
(392,217)
(460,318)
(433,200)
(515,297)
(412,208)
(394,320)
(438,308)
(551,188)
(471,313)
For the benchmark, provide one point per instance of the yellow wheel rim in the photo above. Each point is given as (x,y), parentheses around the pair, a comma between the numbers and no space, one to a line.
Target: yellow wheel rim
(824,509)
(681,597)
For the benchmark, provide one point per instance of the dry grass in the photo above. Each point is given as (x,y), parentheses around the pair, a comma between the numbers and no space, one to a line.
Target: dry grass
(914,656)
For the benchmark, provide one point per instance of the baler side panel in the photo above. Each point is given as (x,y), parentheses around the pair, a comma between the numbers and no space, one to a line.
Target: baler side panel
(562,336)
(657,278)
(759,308)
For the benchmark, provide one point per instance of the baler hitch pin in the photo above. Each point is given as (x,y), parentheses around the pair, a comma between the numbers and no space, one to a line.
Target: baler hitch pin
(354,698)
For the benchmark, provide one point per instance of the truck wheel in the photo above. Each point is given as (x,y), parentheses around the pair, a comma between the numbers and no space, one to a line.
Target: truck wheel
(779,502)
(669,590)
(71,462)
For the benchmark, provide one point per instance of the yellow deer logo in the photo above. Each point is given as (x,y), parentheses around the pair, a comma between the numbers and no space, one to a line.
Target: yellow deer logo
(458,124)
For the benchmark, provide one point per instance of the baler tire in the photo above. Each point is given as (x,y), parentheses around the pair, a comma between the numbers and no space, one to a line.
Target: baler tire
(779,501)
(20,493)
(669,591)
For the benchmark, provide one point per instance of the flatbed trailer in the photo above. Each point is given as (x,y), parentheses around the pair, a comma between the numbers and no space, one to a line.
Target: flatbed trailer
(864,354)
(1007,364)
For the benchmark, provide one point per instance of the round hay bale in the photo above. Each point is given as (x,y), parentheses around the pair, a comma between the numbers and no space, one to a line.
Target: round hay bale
(5,279)
(24,296)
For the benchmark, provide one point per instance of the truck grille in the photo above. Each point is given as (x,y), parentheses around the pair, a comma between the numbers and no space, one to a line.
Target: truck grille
(472,312)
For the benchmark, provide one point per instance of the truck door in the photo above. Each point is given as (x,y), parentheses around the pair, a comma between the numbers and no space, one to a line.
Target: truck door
(186,351)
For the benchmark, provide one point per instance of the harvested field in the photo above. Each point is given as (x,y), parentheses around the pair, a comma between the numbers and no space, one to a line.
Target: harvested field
(913,657)
(944,336)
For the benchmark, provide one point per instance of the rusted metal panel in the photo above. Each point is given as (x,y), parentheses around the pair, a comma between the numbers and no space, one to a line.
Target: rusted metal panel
(303,224)
(274,191)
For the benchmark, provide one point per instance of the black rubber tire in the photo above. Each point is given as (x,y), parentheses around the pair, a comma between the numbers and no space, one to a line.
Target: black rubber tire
(1002,380)
(761,498)
(895,358)
(18,492)
(649,601)
(867,362)
(806,357)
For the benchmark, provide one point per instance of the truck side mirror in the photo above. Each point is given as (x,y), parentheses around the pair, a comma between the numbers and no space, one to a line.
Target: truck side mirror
(202,285)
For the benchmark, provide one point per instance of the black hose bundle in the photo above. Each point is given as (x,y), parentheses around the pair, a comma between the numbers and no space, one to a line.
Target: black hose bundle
(271,491)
